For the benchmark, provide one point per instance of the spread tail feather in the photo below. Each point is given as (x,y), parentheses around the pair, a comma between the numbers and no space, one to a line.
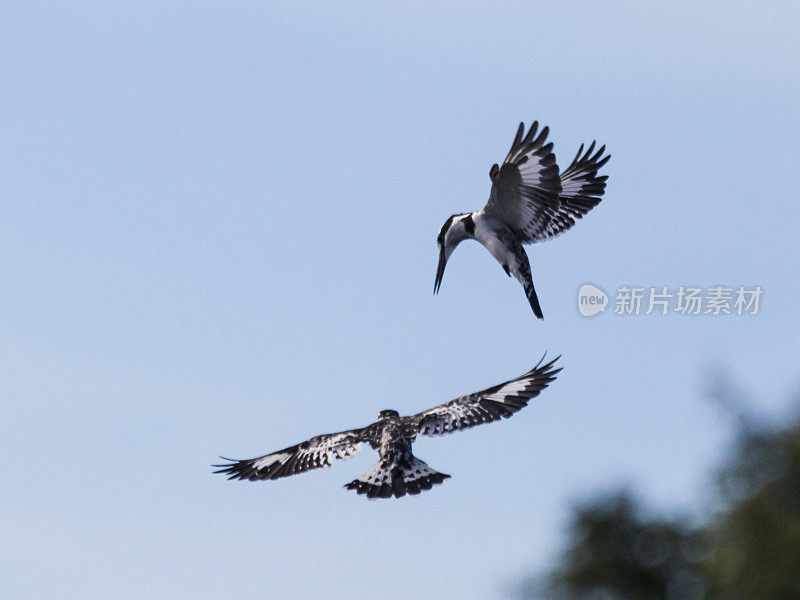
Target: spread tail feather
(385,480)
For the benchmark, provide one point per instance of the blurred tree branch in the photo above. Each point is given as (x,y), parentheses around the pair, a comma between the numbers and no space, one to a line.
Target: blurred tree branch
(748,550)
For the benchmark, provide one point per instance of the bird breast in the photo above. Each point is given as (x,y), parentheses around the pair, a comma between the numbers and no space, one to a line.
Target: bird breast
(394,440)
(487,234)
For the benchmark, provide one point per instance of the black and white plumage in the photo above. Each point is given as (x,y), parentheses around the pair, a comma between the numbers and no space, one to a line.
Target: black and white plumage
(398,471)
(530,201)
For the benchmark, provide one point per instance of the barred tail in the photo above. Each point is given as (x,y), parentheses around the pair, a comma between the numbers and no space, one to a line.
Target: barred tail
(385,480)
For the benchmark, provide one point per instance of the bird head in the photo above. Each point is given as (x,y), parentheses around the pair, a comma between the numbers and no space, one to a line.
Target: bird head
(453,232)
(387,414)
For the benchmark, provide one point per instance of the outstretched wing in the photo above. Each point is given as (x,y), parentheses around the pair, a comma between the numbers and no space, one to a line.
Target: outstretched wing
(318,452)
(581,189)
(525,189)
(484,407)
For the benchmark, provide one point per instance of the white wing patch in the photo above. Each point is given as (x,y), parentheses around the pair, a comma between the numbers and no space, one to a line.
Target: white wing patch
(447,420)
(527,184)
(316,453)
(510,389)
(581,189)
(532,199)
(570,186)
(484,407)
(270,459)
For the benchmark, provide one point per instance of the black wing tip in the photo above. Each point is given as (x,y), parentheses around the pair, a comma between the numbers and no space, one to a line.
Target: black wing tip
(603,161)
(547,368)
(521,139)
(234,469)
(578,155)
(589,160)
(598,160)
(230,463)
(546,371)
(518,136)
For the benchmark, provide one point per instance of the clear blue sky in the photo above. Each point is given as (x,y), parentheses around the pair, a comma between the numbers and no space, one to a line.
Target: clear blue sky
(218,237)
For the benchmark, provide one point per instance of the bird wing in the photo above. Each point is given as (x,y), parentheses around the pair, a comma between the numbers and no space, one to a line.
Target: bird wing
(318,452)
(581,189)
(484,407)
(525,189)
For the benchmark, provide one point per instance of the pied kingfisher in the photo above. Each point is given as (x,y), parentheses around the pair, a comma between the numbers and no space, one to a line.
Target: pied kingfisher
(529,202)
(398,471)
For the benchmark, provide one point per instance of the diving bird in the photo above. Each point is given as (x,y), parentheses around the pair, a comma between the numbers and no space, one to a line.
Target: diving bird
(398,471)
(530,202)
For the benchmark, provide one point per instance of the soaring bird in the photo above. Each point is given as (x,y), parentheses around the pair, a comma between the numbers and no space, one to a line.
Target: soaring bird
(398,471)
(530,202)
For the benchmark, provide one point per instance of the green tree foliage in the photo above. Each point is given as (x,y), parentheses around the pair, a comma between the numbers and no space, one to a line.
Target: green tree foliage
(616,553)
(754,542)
(748,550)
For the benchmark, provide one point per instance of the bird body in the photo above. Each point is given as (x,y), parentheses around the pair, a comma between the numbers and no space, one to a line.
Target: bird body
(398,471)
(494,237)
(530,201)
(505,246)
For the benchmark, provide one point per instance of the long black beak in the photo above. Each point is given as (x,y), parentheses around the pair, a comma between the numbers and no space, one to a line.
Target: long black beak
(440,271)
